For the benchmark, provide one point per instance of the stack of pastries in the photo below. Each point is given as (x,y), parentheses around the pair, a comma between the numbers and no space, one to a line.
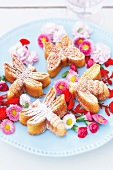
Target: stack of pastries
(49,113)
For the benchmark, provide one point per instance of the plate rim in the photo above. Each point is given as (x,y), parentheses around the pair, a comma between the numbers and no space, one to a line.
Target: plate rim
(39,152)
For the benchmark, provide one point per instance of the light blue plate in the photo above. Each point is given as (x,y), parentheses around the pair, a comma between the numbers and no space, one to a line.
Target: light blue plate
(47,144)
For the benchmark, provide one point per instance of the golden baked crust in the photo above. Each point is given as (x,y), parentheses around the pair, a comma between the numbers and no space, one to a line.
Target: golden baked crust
(90,85)
(26,114)
(74,56)
(46,115)
(48,47)
(56,105)
(50,97)
(33,87)
(95,87)
(54,64)
(88,101)
(61,54)
(24,79)
(93,73)
(10,73)
(41,77)
(59,106)
(55,125)
(37,124)
(65,42)
(16,89)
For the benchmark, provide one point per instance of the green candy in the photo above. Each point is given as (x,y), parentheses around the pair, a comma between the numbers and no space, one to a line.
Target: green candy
(2,78)
(65,74)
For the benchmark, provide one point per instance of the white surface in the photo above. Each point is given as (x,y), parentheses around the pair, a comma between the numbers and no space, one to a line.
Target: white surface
(99,159)
(31,3)
(12,158)
(10,18)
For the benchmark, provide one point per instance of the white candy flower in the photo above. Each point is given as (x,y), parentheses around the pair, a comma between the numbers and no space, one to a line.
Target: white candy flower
(101,53)
(59,33)
(69,120)
(54,31)
(23,54)
(48,28)
(25,100)
(81,29)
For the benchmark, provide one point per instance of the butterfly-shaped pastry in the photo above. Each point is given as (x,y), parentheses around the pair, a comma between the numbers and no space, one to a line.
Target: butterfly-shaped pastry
(24,79)
(62,54)
(46,115)
(89,89)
